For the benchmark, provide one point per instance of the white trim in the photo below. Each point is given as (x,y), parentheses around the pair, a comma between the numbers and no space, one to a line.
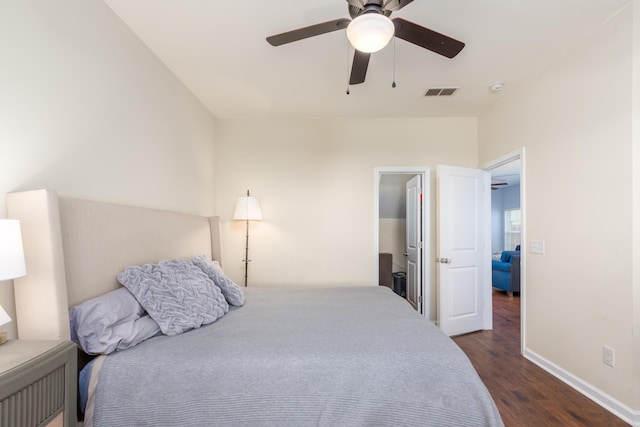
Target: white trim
(424,172)
(509,157)
(601,398)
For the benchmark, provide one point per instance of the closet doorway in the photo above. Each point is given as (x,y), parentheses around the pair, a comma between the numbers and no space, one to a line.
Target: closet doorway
(401,231)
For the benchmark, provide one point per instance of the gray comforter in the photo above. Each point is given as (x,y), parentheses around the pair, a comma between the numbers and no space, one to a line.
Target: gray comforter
(326,357)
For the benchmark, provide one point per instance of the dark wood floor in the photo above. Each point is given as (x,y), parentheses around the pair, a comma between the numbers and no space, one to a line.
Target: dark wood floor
(525,394)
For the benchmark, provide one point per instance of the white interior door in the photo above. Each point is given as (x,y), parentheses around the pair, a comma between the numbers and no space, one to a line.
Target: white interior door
(414,242)
(464,253)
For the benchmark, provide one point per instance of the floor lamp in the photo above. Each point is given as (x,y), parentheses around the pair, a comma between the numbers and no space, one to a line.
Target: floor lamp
(12,263)
(247,209)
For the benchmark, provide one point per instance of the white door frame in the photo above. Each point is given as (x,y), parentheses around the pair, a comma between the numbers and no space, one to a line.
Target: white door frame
(424,173)
(509,157)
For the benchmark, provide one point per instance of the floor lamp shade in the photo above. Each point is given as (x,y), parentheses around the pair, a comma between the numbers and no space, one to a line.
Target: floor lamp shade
(11,252)
(247,209)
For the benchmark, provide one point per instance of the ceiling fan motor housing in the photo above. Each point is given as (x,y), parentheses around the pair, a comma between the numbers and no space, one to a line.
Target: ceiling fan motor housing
(370,7)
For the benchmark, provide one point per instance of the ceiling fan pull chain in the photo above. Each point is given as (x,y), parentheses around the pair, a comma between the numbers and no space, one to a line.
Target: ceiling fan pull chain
(393,85)
(348,44)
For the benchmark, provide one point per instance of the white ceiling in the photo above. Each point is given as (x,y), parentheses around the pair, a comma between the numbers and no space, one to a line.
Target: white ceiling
(218,49)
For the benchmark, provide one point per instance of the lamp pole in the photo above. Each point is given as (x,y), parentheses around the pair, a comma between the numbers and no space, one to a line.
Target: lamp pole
(246,252)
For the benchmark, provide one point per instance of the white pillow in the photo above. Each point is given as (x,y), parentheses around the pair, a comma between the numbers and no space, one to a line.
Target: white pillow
(110,322)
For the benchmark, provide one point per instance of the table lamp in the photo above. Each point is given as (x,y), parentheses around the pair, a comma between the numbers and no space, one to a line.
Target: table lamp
(11,261)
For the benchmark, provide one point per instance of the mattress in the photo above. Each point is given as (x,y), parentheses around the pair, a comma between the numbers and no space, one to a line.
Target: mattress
(321,357)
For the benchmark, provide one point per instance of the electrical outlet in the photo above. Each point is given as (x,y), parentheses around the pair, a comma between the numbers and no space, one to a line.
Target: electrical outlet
(608,356)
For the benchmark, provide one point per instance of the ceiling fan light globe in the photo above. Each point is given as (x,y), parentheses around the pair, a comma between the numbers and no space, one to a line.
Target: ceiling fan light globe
(370,32)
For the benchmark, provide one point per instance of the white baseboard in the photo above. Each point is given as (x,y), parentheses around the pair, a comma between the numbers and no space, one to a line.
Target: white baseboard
(607,402)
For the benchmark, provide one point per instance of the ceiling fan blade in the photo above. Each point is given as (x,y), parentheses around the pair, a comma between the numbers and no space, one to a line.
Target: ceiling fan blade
(426,38)
(359,67)
(306,32)
(357,3)
(395,4)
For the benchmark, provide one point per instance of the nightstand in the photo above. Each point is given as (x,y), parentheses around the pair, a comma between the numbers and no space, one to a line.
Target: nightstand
(38,383)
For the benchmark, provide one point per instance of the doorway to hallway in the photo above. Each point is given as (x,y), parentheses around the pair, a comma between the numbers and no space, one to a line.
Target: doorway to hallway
(508,206)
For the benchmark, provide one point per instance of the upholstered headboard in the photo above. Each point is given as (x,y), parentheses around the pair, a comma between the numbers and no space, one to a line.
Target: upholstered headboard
(75,248)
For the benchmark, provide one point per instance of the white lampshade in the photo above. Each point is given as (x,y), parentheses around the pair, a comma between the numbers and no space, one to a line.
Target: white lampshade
(11,252)
(4,317)
(370,32)
(247,208)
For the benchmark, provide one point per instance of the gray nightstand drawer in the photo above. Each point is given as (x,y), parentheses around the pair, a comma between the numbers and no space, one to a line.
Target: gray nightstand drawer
(37,383)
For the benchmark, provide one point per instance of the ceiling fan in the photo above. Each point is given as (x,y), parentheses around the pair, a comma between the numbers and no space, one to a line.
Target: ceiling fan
(370,21)
(497,185)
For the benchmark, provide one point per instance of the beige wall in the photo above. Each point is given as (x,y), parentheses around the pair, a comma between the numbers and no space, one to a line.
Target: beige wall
(636,199)
(575,122)
(392,239)
(87,110)
(314,179)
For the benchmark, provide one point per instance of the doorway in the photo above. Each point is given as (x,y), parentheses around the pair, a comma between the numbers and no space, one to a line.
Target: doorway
(508,201)
(391,226)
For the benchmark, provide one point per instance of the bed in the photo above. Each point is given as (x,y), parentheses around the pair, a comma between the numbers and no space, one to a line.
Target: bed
(286,356)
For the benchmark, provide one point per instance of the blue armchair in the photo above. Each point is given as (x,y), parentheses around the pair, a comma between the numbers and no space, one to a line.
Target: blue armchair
(505,273)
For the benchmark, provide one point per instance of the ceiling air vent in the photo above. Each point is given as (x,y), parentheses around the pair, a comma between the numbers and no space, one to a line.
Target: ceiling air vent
(441,91)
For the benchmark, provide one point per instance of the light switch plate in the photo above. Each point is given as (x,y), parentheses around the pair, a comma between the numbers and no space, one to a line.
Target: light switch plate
(536,246)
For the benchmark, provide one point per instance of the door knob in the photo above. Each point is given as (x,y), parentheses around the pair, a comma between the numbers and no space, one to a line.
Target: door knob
(406,254)
(444,260)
